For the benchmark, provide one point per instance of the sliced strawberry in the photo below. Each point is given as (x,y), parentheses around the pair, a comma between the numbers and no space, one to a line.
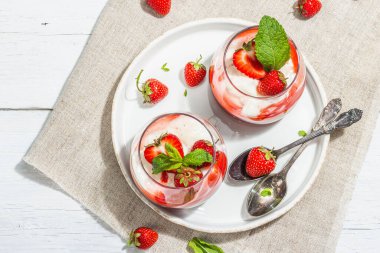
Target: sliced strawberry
(246,62)
(159,197)
(154,149)
(150,152)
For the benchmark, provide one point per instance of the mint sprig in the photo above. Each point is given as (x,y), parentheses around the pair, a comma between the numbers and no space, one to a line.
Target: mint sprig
(200,246)
(172,159)
(271,44)
(196,158)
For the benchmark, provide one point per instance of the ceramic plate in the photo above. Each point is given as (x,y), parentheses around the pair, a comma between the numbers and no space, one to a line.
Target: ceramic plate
(225,211)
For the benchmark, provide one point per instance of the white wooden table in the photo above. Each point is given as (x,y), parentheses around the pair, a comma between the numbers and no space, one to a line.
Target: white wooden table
(40,42)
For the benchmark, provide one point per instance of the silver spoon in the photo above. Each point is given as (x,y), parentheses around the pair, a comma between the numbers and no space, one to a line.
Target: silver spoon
(269,191)
(237,168)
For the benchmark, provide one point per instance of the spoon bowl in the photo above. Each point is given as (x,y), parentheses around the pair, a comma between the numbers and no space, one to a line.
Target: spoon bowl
(266,194)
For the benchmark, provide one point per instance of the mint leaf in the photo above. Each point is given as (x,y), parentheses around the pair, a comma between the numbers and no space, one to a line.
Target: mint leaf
(197,158)
(266,192)
(302,133)
(271,44)
(173,153)
(164,68)
(200,246)
(163,162)
(185,93)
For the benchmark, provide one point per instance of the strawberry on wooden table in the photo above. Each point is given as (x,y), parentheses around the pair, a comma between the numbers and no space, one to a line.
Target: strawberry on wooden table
(308,8)
(260,162)
(158,146)
(152,90)
(272,84)
(143,237)
(245,61)
(162,7)
(195,72)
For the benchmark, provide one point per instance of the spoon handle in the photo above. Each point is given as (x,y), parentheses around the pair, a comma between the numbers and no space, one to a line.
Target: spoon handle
(329,113)
(303,140)
(344,120)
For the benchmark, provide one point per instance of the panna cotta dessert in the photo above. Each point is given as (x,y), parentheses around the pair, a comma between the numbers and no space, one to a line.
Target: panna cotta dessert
(178,160)
(258,74)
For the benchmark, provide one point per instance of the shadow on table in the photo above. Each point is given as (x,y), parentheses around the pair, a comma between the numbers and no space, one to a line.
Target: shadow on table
(32,174)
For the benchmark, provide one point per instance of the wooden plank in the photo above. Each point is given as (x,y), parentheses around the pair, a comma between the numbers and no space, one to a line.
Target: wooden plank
(40,42)
(35,216)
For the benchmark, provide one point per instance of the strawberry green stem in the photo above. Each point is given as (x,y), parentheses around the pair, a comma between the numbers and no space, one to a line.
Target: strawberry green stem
(199,59)
(138,81)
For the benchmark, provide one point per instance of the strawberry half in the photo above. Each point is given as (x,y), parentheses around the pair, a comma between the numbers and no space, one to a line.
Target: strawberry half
(272,84)
(152,90)
(187,177)
(154,149)
(162,7)
(143,237)
(245,61)
(260,162)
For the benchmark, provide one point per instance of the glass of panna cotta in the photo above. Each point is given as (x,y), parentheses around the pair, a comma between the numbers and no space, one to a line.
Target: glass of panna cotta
(239,94)
(178,160)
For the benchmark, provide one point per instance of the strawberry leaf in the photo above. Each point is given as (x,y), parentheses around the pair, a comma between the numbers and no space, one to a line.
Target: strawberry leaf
(200,246)
(197,158)
(271,44)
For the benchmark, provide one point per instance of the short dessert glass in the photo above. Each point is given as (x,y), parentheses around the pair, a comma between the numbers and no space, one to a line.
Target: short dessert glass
(247,107)
(188,128)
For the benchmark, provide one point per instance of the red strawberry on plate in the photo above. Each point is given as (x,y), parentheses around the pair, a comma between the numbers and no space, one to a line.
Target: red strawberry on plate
(143,237)
(158,146)
(162,7)
(206,146)
(260,162)
(195,72)
(187,177)
(245,61)
(308,8)
(272,84)
(152,90)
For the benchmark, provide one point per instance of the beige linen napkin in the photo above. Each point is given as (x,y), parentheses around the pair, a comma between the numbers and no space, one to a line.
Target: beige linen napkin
(75,150)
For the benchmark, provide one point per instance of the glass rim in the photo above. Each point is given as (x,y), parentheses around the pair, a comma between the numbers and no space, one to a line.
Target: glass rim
(248,95)
(194,117)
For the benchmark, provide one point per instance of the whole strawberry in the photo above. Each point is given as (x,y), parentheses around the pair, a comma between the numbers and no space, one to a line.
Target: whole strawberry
(308,8)
(187,177)
(162,7)
(260,162)
(272,84)
(195,72)
(152,90)
(143,237)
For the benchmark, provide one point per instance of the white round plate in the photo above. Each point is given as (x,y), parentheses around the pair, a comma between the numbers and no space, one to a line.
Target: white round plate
(225,211)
